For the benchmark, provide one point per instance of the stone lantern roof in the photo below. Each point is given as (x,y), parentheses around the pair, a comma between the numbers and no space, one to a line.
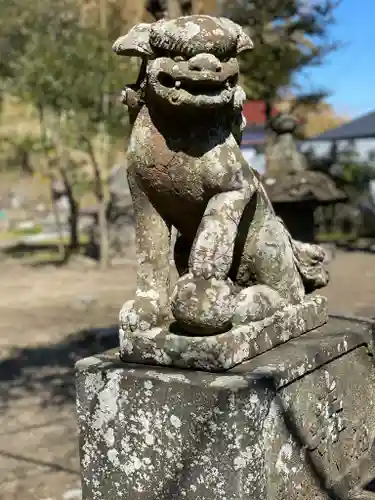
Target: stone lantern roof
(288,179)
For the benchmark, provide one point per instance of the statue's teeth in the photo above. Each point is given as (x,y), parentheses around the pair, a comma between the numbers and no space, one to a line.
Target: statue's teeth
(177,84)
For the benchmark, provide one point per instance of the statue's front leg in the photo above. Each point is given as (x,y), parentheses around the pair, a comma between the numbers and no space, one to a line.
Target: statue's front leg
(152,241)
(212,251)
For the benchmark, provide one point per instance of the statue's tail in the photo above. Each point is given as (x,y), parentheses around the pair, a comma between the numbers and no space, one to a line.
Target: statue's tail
(309,260)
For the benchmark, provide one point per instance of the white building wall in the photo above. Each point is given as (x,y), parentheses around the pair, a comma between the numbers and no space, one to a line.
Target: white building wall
(323,148)
(254,159)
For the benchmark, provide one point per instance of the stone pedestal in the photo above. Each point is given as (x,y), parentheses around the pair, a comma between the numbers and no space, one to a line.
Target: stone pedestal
(296,422)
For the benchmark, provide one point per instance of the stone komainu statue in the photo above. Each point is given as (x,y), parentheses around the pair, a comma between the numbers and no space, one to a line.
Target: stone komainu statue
(236,259)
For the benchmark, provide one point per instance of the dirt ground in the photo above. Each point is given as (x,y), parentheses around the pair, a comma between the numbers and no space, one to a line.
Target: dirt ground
(46,315)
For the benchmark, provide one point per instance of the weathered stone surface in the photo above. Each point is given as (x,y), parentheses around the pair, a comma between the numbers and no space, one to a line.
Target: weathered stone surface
(186,170)
(296,422)
(169,346)
(149,434)
(329,411)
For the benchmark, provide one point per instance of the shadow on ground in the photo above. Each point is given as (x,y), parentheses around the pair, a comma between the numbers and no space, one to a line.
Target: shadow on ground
(20,250)
(48,371)
(356,247)
(45,254)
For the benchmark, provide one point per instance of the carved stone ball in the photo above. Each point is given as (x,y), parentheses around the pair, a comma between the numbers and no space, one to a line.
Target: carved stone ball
(203,307)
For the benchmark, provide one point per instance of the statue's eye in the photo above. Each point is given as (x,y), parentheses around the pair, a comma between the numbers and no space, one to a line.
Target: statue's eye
(179,58)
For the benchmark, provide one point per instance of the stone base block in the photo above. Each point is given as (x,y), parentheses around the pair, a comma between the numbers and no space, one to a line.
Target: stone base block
(164,346)
(297,422)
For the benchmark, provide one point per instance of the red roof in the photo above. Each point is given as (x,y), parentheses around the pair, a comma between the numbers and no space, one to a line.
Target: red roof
(255,112)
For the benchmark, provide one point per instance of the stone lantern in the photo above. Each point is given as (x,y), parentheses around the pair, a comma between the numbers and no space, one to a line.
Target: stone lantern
(295,191)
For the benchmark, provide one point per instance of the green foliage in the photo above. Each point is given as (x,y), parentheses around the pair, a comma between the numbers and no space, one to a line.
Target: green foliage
(15,151)
(288,35)
(351,173)
(50,59)
(67,71)
(28,232)
(56,63)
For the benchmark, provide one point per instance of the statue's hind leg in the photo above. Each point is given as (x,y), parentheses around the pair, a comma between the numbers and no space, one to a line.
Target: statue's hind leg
(256,303)
(270,256)
(272,259)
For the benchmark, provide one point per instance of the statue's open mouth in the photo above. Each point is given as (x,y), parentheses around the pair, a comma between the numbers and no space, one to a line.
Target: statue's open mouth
(198,86)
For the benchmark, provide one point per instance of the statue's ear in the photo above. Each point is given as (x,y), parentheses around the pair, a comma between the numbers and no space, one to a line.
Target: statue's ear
(135,43)
(244,42)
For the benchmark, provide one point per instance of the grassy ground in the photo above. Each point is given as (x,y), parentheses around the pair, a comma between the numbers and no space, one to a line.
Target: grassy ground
(49,251)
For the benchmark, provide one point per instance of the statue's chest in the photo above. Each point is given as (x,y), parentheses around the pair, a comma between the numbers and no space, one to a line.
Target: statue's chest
(166,170)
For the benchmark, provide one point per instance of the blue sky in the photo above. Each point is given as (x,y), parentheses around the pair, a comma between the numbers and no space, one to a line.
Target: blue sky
(349,74)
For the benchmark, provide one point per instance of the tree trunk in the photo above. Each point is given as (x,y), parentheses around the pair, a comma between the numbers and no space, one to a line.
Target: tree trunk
(268,111)
(103,190)
(101,194)
(268,132)
(48,170)
(132,12)
(174,9)
(104,236)
(73,225)
(59,226)
(65,173)
(208,7)
(74,244)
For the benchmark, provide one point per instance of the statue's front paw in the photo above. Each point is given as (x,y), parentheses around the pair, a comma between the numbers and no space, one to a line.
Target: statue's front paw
(211,255)
(139,315)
